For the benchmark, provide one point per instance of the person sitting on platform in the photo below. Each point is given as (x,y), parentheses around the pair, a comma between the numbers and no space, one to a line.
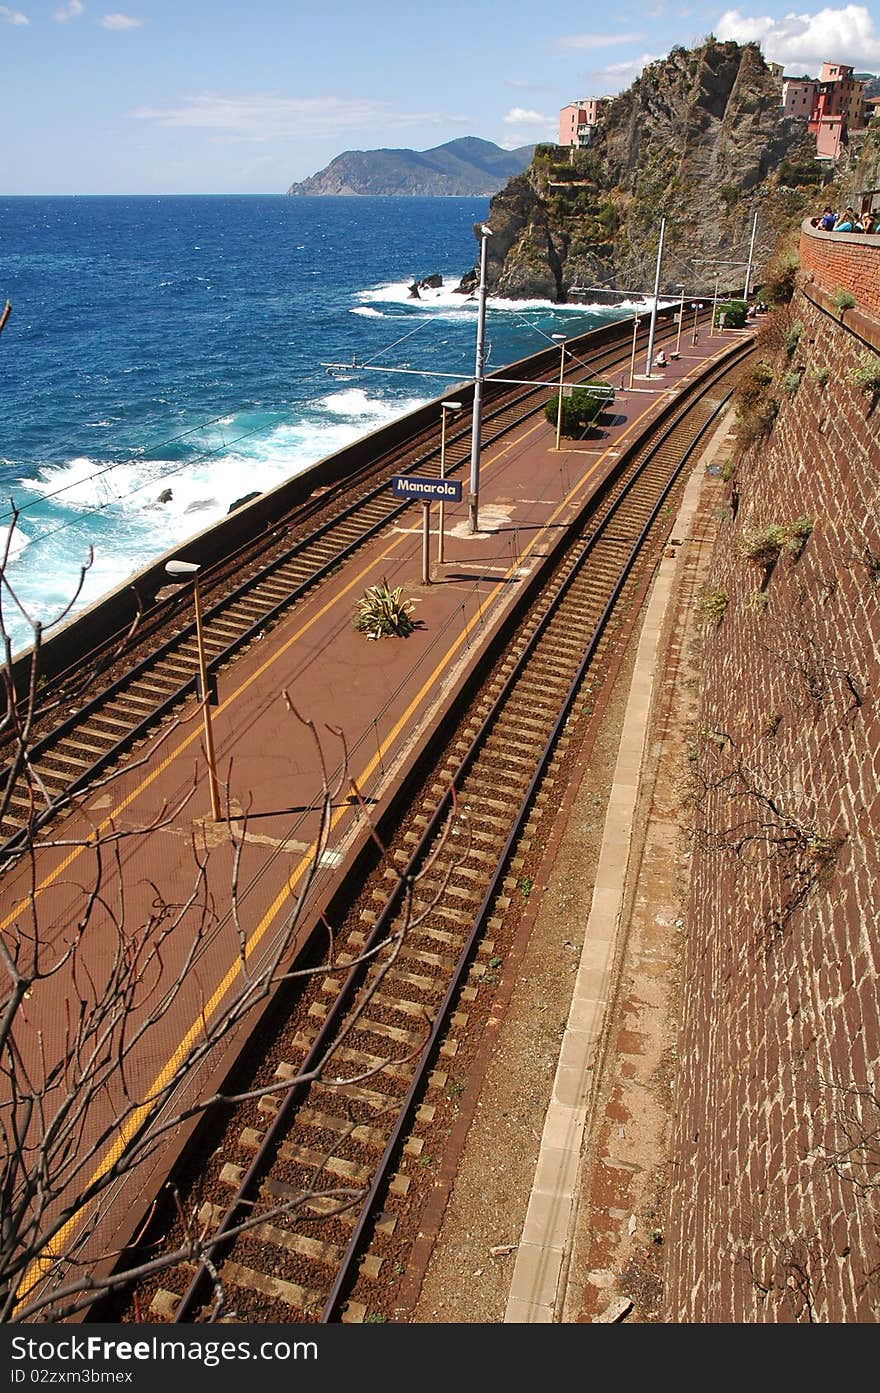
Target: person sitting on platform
(660,360)
(846,222)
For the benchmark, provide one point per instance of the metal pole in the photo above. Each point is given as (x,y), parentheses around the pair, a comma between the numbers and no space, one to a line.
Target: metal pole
(445,408)
(751,254)
(206,707)
(474,495)
(632,361)
(426,535)
(654,305)
(680,320)
(715,302)
(560,339)
(696,334)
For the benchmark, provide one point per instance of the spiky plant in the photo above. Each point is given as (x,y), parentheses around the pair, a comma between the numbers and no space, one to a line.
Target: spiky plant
(381,610)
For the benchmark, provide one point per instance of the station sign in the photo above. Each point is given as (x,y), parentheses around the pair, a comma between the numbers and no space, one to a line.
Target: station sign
(427,490)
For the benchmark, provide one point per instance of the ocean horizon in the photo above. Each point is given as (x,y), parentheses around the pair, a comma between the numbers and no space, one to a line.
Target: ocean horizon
(175,347)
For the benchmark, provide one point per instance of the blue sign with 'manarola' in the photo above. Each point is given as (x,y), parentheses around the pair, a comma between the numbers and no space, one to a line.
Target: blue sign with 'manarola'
(427,490)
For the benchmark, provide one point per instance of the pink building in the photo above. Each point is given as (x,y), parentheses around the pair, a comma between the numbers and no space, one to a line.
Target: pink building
(799,96)
(838,108)
(578,120)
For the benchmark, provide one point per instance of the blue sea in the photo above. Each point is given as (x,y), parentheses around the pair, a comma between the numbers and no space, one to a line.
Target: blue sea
(180,343)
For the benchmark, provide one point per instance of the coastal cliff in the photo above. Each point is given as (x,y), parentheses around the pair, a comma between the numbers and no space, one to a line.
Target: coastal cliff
(699,139)
(465,167)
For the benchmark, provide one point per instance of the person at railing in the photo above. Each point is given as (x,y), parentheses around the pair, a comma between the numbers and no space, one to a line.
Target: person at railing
(847,221)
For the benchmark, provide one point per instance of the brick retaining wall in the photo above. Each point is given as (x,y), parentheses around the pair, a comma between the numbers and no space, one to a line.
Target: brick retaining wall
(843,261)
(780,1040)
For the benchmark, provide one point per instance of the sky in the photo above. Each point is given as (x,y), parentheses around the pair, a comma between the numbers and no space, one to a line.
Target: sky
(248,96)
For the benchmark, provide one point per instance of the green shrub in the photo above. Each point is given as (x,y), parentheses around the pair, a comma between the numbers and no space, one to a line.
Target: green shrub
(792,336)
(381,610)
(866,375)
(799,533)
(790,382)
(843,300)
(735,313)
(580,406)
(821,375)
(752,387)
(764,544)
(799,172)
(713,605)
(779,285)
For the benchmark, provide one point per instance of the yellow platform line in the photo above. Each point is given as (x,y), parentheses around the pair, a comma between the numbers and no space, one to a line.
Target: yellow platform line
(166,1074)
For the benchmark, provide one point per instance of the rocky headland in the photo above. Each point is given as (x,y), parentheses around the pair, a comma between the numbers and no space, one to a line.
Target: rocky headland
(700,139)
(465,167)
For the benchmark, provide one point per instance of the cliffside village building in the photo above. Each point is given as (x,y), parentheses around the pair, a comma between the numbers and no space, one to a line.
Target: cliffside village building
(832,104)
(578,121)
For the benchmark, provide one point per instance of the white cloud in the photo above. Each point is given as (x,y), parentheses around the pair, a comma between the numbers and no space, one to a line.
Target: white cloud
(847,35)
(119,22)
(13,16)
(519,116)
(599,40)
(72,10)
(615,77)
(265,117)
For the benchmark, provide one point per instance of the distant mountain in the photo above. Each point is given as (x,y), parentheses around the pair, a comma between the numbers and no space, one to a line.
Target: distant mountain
(468,166)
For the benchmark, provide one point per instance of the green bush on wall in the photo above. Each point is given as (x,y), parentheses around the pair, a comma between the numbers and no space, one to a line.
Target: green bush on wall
(580,406)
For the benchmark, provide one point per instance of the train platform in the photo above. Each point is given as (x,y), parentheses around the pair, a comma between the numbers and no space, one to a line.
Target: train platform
(372,704)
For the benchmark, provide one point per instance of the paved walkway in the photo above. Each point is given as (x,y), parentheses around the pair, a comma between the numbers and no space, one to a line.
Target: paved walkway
(537,1290)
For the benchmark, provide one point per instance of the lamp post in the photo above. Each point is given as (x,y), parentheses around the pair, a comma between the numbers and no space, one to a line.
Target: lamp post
(560,339)
(695,336)
(446,407)
(715,301)
(654,303)
(474,494)
(680,322)
(632,361)
(189,568)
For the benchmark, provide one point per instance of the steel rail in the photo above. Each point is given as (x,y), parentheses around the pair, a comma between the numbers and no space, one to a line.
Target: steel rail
(244,1196)
(509,408)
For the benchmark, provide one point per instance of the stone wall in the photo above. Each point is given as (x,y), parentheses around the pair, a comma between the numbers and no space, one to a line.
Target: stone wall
(844,261)
(775,1180)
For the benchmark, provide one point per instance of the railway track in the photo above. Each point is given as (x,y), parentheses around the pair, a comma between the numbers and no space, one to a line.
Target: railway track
(146,675)
(325,1174)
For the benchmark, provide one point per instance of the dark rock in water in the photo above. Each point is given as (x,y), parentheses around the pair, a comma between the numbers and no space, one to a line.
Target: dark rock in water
(414,291)
(432,282)
(165,496)
(240,502)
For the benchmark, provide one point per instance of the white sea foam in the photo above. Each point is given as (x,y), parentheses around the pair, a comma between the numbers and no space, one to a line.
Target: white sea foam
(356,403)
(442,297)
(446,301)
(13,542)
(368,312)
